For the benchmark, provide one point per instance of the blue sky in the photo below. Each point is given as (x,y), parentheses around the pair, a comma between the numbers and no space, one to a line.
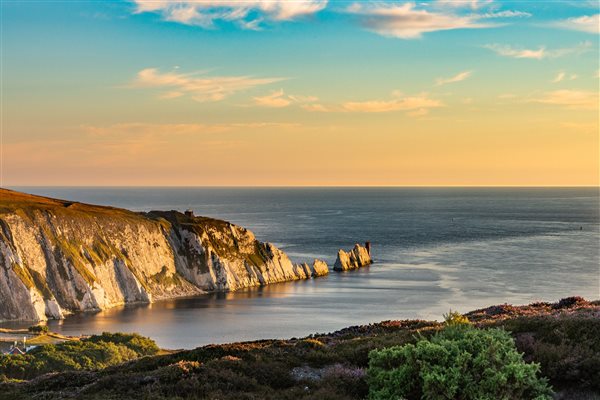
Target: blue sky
(83,75)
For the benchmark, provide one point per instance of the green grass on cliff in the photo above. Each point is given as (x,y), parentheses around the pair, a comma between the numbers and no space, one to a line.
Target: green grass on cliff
(25,204)
(166,279)
(72,250)
(32,279)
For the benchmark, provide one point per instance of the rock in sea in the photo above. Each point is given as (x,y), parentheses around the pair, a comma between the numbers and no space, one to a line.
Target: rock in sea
(356,258)
(319,268)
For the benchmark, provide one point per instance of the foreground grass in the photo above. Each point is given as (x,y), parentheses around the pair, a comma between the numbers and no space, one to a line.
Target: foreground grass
(563,337)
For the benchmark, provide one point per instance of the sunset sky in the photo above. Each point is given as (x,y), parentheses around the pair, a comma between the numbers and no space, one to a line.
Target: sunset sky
(308,92)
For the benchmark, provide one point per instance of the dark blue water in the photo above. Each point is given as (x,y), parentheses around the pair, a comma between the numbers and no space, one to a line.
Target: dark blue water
(435,249)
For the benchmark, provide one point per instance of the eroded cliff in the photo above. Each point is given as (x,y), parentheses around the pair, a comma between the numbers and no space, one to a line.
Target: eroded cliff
(58,257)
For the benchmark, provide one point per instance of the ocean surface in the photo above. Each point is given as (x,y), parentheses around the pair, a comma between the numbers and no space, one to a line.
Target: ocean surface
(435,249)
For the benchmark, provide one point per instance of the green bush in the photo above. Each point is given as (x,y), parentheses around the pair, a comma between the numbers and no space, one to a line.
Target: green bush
(96,352)
(143,346)
(39,329)
(459,362)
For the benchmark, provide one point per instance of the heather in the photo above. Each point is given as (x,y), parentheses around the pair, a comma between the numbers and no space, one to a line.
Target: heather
(561,338)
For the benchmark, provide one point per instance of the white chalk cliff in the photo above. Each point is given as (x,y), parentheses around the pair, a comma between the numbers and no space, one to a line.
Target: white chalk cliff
(59,257)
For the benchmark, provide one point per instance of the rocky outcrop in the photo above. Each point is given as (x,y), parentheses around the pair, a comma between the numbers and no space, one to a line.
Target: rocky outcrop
(319,268)
(59,257)
(358,257)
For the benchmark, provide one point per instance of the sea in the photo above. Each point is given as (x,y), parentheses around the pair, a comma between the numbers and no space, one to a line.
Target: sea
(435,250)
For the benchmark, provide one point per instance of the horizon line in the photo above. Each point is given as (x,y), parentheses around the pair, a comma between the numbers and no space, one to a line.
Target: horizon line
(299,186)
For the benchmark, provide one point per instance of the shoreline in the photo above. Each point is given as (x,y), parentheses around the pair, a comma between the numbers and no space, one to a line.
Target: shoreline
(168,304)
(495,312)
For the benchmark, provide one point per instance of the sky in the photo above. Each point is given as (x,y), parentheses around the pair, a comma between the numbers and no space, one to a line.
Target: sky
(300,93)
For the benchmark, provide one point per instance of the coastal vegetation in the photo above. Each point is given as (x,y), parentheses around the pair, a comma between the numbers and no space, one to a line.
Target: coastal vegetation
(562,338)
(39,329)
(93,353)
(459,362)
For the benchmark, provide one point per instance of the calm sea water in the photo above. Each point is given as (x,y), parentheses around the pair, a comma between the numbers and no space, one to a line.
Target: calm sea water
(435,249)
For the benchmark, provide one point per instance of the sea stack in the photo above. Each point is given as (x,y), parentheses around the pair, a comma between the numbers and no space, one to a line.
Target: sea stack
(319,268)
(356,258)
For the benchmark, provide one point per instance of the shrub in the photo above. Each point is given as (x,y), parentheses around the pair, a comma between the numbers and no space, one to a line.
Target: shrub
(454,318)
(310,343)
(567,347)
(346,379)
(39,329)
(143,346)
(569,302)
(460,362)
(96,352)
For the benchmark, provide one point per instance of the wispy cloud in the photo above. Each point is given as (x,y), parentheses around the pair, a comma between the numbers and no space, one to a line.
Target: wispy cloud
(406,21)
(562,76)
(506,14)
(203,88)
(539,53)
(400,104)
(317,107)
(585,23)
(559,77)
(414,105)
(278,99)
(248,14)
(574,99)
(509,51)
(420,104)
(136,144)
(456,78)
(472,4)
(137,130)
(477,8)
(593,4)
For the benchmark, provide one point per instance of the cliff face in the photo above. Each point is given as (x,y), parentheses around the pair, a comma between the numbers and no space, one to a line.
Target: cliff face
(57,257)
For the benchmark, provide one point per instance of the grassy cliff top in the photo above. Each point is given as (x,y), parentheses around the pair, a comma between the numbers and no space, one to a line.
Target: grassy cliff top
(11,201)
(178,218)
